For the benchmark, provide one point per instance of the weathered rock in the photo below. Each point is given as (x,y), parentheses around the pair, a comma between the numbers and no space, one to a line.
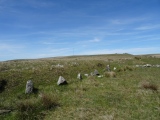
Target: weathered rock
(61,81)
(114,68)
(157,65)
(86,75)
(96,72)
(56,66)
(79,76)
(108,68)
(100,76)
(29,87)
(148,65)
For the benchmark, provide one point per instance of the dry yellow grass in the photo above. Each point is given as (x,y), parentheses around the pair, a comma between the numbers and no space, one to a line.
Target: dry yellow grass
(148,85)
(110,74)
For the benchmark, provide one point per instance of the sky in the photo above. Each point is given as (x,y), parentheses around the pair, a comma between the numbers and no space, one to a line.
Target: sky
(31,29)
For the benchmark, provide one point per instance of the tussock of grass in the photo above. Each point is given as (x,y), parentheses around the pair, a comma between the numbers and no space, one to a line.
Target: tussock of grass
(150,86)
(125,68)
(129,68)
(32,108)
(27,109)
(48,101)
(137,58)
(110,74)
(26,106)
(91,80)
(121,69)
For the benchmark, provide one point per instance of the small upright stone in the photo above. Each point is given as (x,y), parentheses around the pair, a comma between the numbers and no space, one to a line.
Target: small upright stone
(29,87)
(61,81)
(108,68)
(79,76)
(96,72)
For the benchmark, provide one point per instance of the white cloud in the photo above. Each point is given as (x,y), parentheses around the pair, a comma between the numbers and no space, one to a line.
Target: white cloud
(95,40)
(61,50)
(127,20)
(10,48)
(148,27)
(116,21)
(4,46)
(53,43)
(9,51)
(85,42)
(43,4)
(55,52)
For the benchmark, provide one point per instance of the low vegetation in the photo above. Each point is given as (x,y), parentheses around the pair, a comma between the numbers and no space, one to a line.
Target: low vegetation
(125,93)
(110,74)
(150,86)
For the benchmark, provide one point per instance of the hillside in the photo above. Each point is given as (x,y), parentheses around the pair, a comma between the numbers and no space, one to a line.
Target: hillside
(130,92)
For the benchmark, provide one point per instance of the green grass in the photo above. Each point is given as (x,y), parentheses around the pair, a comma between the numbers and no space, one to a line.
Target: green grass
(133,93)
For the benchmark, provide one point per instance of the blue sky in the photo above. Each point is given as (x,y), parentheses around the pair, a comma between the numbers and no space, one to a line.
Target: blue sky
(49,28)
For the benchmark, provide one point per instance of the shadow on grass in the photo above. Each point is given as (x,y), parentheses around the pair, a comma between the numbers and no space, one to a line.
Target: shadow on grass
(23,96)
(64,83)
(3,83)
(35,90)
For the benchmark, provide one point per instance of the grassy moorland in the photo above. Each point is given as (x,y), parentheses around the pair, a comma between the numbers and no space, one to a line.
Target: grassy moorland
(132,93)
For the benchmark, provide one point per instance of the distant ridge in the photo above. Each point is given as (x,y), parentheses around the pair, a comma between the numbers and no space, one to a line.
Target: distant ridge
(85,56)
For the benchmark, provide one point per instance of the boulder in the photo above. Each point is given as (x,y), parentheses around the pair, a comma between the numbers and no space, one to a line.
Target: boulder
(61,81)
(148,65)
(29,87)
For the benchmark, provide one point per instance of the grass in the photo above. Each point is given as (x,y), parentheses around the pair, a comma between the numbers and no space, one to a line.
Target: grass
(150,86)
(126,93)
(110,74)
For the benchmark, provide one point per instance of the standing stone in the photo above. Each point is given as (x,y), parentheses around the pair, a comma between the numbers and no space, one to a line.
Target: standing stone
(108,68)
(79,76)
(96,72)
(61,81)
(29,87)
